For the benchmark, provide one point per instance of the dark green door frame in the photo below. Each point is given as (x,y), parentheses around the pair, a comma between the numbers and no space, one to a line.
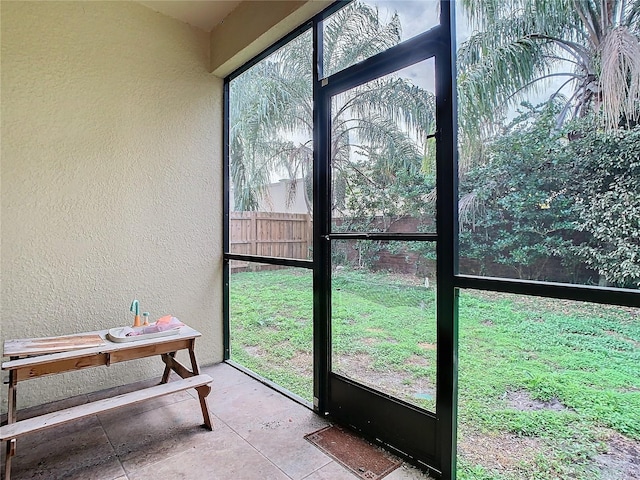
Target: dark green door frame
(423,437)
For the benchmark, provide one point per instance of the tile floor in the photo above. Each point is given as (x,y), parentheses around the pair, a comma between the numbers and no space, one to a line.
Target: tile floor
(258,434)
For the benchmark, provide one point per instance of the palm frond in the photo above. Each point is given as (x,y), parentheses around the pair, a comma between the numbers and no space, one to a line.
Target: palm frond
(397,100)
(489,79)
(522,42)
(378,139)
(355,33)
(468,207)
(631,16)
(620,77)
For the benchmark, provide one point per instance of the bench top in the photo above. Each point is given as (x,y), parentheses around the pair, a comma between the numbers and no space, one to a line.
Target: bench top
(97,342)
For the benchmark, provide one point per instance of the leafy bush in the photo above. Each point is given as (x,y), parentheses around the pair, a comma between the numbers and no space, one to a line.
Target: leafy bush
(608,201)
(570,194)
(523,216)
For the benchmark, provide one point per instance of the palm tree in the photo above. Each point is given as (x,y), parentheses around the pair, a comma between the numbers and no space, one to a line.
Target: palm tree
(593,45)
(377,129)
(267,104)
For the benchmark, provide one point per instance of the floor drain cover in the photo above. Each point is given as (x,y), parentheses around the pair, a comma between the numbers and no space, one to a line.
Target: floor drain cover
(365,460)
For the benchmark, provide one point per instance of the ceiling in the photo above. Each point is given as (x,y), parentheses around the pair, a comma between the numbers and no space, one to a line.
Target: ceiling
(204,14)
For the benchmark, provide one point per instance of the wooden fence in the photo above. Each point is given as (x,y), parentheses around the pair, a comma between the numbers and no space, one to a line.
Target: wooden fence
(267,234)
(289,235)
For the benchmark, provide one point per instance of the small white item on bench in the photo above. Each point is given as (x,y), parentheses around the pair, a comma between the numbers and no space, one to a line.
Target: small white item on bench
(121,334)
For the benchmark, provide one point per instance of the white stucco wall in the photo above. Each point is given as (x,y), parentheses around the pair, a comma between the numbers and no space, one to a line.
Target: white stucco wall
(111,180)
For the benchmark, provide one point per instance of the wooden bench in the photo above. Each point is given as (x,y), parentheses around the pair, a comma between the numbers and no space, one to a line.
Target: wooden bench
(23,427)
(30,359)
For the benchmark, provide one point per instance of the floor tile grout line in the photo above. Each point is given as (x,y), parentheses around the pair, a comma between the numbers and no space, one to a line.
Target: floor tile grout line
(242,438)
(321,467)
(257,451)
(330,460)
(165,458)
(126,472)
(115,453)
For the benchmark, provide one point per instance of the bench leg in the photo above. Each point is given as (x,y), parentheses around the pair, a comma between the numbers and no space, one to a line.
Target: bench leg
(202,396)
(167,368)
(194,363)
(172,364)
(11,451)
(202,391)
(11,418)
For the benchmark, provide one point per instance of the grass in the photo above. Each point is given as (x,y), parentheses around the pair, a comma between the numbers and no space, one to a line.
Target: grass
(272,327)
(551,380)
(585,357)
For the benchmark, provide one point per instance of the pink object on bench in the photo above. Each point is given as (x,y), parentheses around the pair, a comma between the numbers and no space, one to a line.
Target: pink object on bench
(163,324)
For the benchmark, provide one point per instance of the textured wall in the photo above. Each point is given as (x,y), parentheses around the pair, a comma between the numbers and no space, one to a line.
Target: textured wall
(111,179)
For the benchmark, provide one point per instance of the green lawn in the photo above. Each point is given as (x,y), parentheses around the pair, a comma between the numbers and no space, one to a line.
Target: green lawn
(547,389)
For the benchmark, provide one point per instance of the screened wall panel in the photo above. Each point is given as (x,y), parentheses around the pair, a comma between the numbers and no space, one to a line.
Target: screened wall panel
(271,154)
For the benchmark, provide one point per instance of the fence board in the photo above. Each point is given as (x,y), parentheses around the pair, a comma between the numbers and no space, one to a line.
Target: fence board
(270,234)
